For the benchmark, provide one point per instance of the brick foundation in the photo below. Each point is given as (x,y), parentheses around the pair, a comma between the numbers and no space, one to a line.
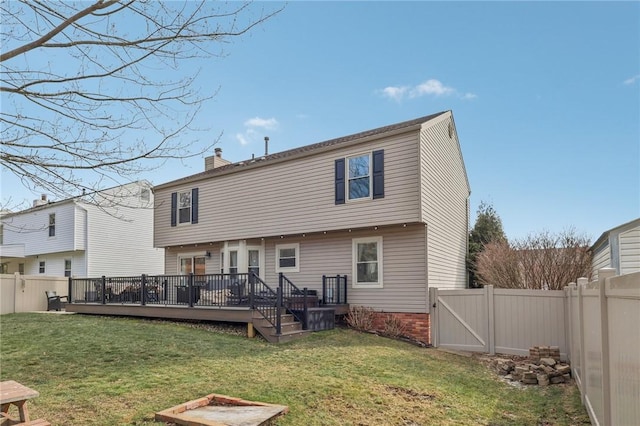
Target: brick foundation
(418,326)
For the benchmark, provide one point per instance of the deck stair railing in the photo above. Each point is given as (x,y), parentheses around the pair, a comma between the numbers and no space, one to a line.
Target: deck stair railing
(292,295)
(334,290)
(267,301)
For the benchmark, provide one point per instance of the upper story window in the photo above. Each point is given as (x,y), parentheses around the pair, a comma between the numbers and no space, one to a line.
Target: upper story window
(184,207)
(52,225)
(288,257)
(359,180)
(41,267)
(145,195)
(359,177)
(1,234)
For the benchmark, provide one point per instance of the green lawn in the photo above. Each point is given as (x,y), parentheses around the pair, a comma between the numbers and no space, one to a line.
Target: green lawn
(93,370)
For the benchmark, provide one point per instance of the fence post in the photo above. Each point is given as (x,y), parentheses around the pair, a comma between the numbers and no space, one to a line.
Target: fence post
(190,289)
(305,310)
(345,290)
(143,289)
(491,320)
(279,308)
(103,290)
(603,275)
(324,289)
(582,282)
(433,316)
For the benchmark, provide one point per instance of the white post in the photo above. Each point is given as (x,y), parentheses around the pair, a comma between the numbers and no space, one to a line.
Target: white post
(491,320)
(568,329)
(433,316)
(582,282)
(603,276)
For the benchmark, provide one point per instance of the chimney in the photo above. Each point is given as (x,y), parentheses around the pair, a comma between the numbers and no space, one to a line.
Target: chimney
(215,160)
(41,202)
(266,146)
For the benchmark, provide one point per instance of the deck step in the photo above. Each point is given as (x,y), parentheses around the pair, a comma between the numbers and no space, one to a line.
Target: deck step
(291,336)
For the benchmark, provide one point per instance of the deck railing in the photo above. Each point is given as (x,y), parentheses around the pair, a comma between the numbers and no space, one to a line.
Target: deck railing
(211,290)
(203,290)
(334,290)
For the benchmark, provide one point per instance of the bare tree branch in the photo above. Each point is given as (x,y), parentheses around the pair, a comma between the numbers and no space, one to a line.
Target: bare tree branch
(108,86)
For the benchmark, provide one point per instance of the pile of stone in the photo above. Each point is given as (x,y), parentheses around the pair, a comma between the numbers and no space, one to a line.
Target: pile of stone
(542,367)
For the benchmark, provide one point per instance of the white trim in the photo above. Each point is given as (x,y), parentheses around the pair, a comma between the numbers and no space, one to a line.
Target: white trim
(354,262)
(370,176)
(296,268)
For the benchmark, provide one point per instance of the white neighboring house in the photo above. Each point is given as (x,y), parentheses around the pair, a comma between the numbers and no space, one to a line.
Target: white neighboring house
(109,232)
(618,248)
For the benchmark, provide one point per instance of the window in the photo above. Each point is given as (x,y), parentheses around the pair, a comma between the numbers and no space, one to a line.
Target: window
(288,257)
(233,261)
(67,267)
(21,268)
(359,177)
(192,264)
(1,234)
(41,267)
(4,268)
(52,225)
(184,207)
(367,262)
(359,180)
(145,195)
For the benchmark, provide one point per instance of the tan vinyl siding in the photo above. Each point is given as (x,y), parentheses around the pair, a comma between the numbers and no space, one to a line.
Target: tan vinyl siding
(404,266)
(630,251)
(295,196)
(444,196)
(601,259)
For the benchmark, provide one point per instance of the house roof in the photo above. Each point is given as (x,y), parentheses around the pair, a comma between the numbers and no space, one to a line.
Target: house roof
(605,235)
(70,199)
(303,150)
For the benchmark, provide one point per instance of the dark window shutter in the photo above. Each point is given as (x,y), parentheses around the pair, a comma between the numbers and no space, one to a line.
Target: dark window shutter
(194,205)
(339,184)
(378,174)
(174,208)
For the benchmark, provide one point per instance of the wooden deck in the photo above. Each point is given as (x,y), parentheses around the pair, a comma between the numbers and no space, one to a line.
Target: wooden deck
(241,314)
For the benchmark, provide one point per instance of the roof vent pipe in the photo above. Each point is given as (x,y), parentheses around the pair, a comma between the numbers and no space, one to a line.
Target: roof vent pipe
(218,152)
(266,146)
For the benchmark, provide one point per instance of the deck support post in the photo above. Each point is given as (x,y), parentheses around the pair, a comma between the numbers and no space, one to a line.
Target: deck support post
(251,332)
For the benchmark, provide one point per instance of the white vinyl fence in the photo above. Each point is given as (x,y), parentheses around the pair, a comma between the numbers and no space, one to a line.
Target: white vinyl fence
(498,320)
(26,293)
(604,335)
(596,326)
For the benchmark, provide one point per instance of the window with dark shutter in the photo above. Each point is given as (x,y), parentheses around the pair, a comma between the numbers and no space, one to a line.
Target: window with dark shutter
(378,174)
(194,205)
(339,181)
(174,209)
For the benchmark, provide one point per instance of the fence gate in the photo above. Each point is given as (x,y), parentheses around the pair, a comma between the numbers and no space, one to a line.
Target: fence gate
(460,319)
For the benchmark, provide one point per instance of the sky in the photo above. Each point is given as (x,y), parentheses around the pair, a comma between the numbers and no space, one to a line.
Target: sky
(545,97)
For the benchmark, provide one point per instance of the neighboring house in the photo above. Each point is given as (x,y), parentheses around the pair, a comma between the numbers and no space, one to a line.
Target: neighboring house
(109,232)
(618,248)
(387,207)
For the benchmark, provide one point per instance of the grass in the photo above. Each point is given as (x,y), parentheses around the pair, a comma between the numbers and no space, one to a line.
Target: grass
(93,370)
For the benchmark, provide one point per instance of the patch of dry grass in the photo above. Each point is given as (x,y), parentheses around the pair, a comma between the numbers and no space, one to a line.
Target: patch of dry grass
(94,370)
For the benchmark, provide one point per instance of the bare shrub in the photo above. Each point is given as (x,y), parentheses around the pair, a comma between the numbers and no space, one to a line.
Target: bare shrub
(543,261)
(394,327)
(361,318)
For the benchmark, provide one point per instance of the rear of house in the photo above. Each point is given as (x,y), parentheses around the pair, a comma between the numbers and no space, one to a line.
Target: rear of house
(387,207)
